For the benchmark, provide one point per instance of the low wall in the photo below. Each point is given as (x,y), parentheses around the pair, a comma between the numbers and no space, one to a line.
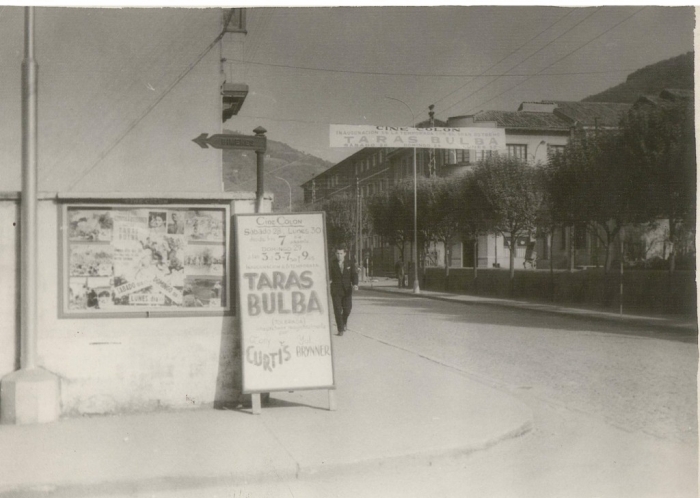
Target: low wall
(116,364)
(644,290)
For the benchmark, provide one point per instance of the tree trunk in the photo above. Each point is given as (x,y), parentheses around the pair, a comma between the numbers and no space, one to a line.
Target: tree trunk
(447,267)
(608,254)
(476,263)
(512,262)
(672,237)
(572,251)
(551,264)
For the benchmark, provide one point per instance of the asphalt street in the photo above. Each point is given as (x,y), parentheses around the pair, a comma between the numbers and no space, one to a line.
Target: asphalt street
(633,378)
(614,406)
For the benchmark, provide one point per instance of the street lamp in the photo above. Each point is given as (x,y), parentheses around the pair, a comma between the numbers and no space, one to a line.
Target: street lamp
(290,191)
(416,286)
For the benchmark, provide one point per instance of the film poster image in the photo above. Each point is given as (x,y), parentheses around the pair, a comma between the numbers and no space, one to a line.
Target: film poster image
(203,293)
(205,259)
(90,225)
(205,225)
(145,258)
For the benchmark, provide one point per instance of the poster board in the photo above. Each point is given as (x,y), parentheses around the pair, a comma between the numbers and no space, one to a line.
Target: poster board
(283,302)
(161,258)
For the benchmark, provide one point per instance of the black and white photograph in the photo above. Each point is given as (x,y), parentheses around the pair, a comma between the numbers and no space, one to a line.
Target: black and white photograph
(348,250)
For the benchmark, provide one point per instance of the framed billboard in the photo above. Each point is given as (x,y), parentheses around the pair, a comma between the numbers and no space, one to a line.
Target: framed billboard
(144,259)
(283,302)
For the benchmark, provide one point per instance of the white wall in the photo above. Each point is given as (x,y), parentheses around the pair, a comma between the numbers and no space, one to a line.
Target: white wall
(117,364)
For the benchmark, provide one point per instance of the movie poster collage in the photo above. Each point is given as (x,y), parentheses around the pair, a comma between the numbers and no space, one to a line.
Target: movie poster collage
(146,259)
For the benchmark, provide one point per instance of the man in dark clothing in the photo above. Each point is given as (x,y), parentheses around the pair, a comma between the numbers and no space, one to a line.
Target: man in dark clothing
(344,278)
(400,272)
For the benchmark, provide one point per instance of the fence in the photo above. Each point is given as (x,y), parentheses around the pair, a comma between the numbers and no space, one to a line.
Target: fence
(644,290)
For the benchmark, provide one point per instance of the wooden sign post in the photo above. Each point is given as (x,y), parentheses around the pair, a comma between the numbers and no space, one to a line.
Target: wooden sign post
(283,304)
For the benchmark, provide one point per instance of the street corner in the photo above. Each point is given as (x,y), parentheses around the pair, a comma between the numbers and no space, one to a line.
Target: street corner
(394,408)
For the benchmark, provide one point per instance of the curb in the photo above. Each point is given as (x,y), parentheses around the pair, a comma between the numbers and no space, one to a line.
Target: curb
(418,459)
(640,321)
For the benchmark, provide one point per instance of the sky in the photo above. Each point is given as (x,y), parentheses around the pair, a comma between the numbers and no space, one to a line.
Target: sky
(100,69)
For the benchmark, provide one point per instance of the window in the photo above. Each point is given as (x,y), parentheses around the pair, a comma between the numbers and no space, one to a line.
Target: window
(518,151)
(483,154)
(555,149)
(462,155)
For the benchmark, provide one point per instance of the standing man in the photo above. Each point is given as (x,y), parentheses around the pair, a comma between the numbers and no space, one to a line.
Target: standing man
(400,272)
(344,280)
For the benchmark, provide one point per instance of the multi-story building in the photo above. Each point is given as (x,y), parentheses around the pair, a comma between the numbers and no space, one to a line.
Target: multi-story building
(533,132)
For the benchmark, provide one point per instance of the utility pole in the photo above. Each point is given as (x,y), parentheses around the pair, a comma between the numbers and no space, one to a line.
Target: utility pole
(358,250)
(432,167)
(260,157)
(414,249)
(31,394)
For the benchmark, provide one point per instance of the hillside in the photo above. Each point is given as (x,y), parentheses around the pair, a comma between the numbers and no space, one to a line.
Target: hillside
(677,72)
(281,161)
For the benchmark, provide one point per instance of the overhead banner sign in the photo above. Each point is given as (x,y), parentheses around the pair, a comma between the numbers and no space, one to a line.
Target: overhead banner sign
(358,136)
(283,302)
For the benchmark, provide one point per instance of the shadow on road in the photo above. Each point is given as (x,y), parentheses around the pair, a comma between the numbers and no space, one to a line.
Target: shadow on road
(490,314)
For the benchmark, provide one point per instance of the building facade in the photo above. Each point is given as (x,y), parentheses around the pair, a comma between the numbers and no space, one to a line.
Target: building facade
(533,132)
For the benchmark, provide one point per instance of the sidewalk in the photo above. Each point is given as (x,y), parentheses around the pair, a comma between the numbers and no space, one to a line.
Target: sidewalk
(675,323)
(394,408)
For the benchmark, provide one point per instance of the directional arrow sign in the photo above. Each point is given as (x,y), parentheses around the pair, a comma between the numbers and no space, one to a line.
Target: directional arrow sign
(247,142)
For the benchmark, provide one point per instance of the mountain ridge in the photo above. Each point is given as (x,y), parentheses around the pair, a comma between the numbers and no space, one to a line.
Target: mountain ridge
(677,73)
(282,163)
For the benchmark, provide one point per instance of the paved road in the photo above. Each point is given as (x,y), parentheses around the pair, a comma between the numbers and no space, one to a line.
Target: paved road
(614,407)
(636,379)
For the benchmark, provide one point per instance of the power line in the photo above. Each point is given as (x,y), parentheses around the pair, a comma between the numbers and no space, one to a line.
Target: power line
(419,75)
(151,107)
(562,58)
(150,59)
(504,58)
(529,57)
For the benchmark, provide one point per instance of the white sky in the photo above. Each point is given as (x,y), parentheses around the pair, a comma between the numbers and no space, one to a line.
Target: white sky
(100,69)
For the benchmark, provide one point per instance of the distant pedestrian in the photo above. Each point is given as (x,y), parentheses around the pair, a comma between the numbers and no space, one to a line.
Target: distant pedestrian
(400,273)
(344,279)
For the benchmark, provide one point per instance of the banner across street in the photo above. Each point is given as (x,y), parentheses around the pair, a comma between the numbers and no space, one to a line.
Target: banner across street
(358,136)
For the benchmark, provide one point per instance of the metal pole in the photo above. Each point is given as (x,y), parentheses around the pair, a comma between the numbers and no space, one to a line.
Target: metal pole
(260,131)
(361,260)
(416,285)
(357,221)
(622,265)
(29,197)
(290,191)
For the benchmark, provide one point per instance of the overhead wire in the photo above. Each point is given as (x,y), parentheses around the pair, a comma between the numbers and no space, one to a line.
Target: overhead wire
(569,30)
(419,75)
(103,121)
(506,57)
(150,108)
(265,22)
(563,57)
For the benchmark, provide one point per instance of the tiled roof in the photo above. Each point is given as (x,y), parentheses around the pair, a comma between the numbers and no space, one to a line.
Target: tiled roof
(524,120)
(592,113)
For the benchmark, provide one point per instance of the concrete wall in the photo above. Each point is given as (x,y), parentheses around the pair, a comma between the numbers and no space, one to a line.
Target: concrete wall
(117,364)
(644,290)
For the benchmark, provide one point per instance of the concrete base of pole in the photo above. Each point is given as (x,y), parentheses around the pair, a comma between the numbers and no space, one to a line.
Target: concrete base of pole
(29,396)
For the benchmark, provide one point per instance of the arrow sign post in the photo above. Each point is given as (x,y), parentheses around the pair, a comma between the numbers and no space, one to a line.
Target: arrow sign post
(258,143)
